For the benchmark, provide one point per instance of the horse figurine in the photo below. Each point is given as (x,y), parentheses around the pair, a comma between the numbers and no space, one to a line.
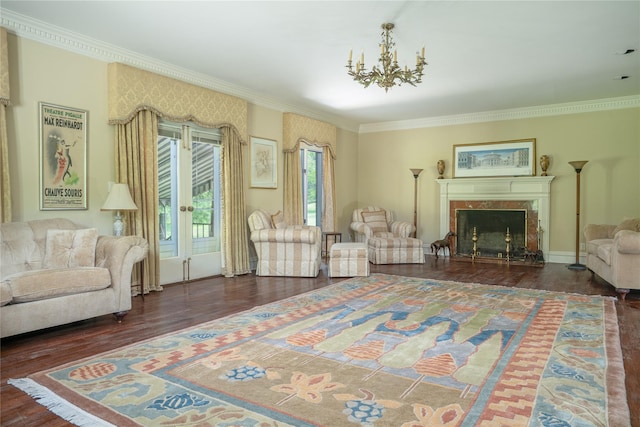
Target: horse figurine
(443,244)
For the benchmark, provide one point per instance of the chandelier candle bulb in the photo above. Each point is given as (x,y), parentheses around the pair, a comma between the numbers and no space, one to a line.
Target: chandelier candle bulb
(350,54)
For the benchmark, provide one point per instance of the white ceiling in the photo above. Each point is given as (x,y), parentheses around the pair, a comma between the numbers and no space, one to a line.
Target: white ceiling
(482,55)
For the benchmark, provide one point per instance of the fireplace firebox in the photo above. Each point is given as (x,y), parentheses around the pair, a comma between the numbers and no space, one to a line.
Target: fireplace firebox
(491,227)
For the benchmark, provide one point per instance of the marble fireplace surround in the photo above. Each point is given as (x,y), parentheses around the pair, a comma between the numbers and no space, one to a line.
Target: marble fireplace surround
(530,192)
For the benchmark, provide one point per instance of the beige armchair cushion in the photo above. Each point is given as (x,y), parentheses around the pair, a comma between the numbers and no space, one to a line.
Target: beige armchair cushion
(70,248)
(376,220)
(277,220)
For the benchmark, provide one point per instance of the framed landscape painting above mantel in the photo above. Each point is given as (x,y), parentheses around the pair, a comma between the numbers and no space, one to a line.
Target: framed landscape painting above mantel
(503,158)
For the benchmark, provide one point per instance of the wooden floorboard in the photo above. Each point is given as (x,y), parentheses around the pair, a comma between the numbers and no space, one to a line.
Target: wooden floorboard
(183,305)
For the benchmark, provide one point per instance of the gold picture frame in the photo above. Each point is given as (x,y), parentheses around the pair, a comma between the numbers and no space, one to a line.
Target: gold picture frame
(491,159)
(264,163)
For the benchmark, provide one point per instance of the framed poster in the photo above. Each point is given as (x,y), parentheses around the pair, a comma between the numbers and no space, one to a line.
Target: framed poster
(264,165)
(63,157)
(504,158)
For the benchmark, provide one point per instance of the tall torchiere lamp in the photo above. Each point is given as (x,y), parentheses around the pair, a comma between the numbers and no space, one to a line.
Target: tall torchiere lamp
(578,165)
(416,174)
(118,200)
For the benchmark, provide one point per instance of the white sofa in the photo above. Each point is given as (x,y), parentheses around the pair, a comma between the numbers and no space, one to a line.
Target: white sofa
(55,272)
(613,253)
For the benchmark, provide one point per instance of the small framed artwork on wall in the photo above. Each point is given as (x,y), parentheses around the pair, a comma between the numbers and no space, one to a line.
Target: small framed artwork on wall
(264,163)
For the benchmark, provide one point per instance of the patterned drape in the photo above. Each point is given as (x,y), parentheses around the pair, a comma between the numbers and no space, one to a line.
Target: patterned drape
(297,129)
(235,250)
(292,186)
(133,91)
(5,185)
(136,157)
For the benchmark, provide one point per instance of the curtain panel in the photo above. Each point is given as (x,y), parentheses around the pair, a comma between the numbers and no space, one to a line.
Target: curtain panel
(137,99)
(235,248)
(136,157)
(298,129)
(5,184)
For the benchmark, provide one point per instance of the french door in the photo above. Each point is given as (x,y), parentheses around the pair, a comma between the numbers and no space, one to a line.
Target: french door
(189,202)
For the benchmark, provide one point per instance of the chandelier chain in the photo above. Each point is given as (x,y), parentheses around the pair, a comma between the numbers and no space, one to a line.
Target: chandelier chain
(390,73)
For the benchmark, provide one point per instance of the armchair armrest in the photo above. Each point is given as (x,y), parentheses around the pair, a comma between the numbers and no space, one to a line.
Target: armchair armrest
(598,231)
(401,229)
(118,255)
(627,242)
(298,234)
(361,228)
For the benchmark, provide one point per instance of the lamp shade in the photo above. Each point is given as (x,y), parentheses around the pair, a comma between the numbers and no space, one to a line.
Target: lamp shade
(119,199)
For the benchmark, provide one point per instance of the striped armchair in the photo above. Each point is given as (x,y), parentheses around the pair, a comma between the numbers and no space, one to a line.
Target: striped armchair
(373,221)
(292,250)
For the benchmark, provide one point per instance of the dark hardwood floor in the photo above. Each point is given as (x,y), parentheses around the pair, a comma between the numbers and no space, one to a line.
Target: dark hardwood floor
(180,306)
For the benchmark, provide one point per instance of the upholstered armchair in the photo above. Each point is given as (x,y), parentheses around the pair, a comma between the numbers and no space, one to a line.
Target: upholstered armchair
(388,241)
(373,221)
(284,250)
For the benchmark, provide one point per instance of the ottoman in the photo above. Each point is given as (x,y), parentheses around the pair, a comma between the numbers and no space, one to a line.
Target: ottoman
(348,260)
(395,250)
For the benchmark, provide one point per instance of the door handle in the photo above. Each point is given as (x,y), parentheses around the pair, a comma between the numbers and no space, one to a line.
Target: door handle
(183,208)
(190,208)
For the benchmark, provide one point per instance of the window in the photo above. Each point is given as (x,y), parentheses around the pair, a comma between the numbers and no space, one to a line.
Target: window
(311,163)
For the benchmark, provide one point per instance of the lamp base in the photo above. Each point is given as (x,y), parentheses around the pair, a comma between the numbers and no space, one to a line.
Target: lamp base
(577,266)
(118,225)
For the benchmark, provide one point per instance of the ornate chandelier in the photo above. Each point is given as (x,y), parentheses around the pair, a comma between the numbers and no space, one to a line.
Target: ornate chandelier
(390,74)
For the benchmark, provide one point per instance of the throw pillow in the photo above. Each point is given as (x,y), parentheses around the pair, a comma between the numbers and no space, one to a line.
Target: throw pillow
(376,220)
(70,248)
(277,220)
(632,224)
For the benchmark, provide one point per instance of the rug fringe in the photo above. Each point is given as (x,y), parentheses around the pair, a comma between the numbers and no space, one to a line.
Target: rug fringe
(58,405)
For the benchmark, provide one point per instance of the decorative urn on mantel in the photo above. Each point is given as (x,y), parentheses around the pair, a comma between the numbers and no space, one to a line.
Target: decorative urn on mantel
(544,164)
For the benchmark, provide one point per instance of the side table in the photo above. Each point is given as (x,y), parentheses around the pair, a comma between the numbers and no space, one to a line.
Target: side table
(337,238)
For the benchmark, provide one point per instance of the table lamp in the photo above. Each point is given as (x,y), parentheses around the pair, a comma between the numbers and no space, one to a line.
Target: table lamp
(119,199)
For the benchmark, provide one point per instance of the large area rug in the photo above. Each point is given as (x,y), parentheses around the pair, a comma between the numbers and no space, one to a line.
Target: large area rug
(375,351)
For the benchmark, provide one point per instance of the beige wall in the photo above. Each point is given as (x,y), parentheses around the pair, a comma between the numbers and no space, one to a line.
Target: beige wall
(372,168)
(610,182)
(43,73)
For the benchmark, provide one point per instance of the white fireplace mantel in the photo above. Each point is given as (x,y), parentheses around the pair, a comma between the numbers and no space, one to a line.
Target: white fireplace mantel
(534,188)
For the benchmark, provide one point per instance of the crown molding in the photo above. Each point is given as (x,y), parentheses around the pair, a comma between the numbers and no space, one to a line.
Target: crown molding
(52,35)
(42,32)
(510,114)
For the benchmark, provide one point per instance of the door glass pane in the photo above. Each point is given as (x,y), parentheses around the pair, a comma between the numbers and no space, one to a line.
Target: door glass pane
(311,186)
(311,201)
(205,194)
(168,142)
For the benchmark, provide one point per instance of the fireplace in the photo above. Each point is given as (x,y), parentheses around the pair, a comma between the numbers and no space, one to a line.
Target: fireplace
(491,228)
(491,206)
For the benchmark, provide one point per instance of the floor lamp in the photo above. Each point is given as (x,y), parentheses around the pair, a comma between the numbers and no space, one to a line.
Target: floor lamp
(416,174)
(578,165)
